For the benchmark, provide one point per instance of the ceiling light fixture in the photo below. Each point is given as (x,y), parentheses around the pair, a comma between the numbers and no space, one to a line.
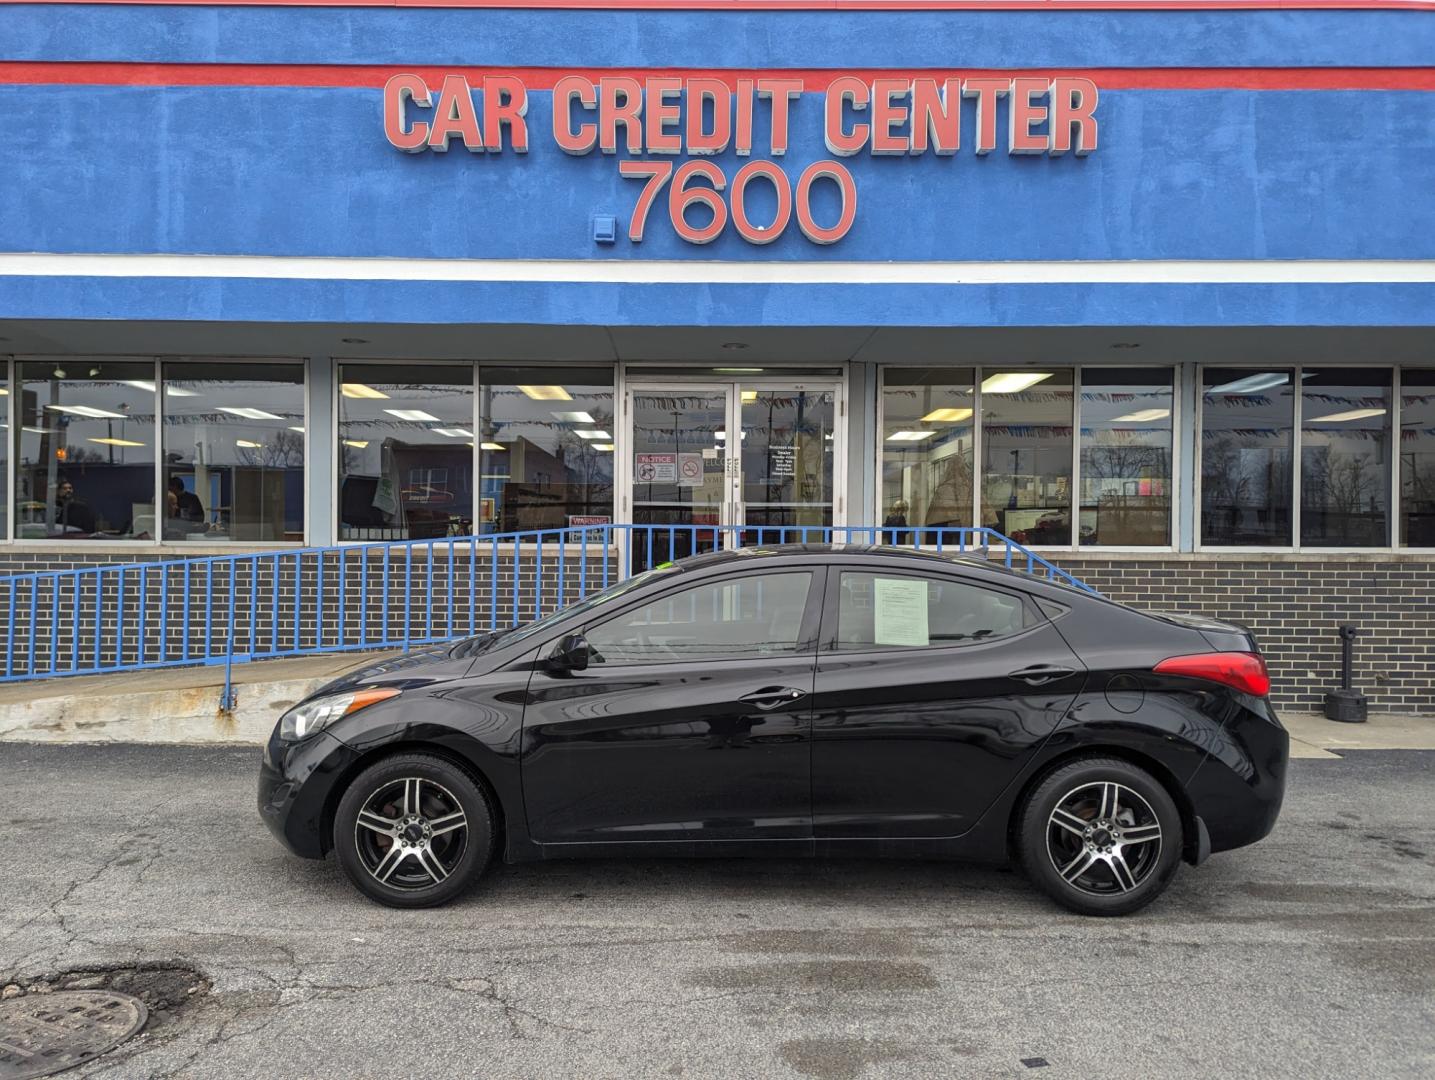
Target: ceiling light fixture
(1143,414)
(1012,382)
(249,444)
(946,416)
(116,442)
(547,393)
(605,447)
(248,412)
(1252,384)
(737,370)
(357,444)
(595,434)
(492,446)
(88,410)
(1342,417)
(453,432)
(359,390)
(298,429)
(909,436)
(749,396)
(417,416)
(574,417)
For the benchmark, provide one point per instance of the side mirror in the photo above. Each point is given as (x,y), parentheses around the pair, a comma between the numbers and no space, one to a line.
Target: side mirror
(570,654)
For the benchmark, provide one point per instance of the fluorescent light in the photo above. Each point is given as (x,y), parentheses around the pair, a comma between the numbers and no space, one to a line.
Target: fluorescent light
(749,396)
(1144,414)
(248,412)
(170,391)
(88,410)
(35,430)
(574,417)
(605,447)
(595,434)
(453,432)
(909,436)
(248,444)
(1012,382)
(418,416)
(4,392)
(357,444)
(1340,417)
(492,446)
(359,390)
(946,416)
(547,393)
(116,442)
(298,429)
(1251,384)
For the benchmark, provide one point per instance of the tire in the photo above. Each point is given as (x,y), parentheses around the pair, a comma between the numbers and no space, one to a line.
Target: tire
(1075,855)
(426,834)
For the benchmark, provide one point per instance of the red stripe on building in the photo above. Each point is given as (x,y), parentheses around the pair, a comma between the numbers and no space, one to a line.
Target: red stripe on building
(22,73)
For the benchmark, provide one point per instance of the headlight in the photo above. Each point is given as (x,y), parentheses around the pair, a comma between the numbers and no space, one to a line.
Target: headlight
(308,717)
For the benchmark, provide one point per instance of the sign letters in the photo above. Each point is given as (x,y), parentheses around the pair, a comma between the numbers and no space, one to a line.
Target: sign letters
(657,119)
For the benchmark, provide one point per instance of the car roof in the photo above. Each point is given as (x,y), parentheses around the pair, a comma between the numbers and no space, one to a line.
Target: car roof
(860,553)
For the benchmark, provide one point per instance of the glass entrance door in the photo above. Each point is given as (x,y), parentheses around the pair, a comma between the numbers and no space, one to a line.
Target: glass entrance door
(712,460)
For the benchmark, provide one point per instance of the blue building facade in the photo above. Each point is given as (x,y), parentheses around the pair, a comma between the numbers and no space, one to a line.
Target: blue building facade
(1150,288)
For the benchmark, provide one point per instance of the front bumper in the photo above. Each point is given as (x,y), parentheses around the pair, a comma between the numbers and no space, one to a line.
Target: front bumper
(295,781)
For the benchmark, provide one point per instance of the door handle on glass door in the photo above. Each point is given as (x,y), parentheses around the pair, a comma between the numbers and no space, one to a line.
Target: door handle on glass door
(770,697)
(1040,674)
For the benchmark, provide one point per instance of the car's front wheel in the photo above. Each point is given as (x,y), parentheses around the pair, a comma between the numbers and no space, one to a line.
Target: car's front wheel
(414,830)
(1100,836)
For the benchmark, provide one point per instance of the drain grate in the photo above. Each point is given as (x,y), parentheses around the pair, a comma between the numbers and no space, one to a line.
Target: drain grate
(42,1034)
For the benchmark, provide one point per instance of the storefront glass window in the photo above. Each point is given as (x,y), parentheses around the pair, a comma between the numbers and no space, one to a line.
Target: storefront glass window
(546,439)
(406,451)
(1246,420)
(234,451)
(84,450)
(6,398)
(1345,457)
(1026,454)
(1417,457)
(1125,456)
(928,426)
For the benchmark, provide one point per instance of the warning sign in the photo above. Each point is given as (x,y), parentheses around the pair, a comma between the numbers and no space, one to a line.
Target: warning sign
(655,468)
(690,470)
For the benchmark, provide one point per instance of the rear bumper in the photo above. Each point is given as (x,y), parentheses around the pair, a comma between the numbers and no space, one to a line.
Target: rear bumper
(1238,791)
(295,780)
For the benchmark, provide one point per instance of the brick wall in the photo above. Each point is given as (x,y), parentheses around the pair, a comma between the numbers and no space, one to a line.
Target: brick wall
(1293,603)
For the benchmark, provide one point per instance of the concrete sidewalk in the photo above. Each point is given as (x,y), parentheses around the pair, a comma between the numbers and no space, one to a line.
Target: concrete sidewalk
(175,705)
(181,705)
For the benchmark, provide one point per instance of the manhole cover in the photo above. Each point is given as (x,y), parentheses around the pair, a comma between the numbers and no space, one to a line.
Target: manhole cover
(41,1034)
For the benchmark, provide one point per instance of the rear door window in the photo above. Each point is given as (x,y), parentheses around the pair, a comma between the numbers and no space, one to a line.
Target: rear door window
(876,611)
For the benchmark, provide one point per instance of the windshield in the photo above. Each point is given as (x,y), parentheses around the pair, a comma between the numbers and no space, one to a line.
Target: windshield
(597,600)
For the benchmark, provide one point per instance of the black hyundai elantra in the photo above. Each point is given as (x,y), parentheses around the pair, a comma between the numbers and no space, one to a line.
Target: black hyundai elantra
(833,700)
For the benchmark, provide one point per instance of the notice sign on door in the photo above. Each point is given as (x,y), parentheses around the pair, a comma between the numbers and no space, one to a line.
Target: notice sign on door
(655,468)
(782,460)
(690,470)
(899,611)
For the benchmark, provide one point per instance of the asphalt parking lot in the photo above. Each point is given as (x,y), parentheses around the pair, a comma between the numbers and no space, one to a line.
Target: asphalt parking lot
(1309,955)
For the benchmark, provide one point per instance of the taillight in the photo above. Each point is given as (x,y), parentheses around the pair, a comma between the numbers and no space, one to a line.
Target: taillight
(1241,671)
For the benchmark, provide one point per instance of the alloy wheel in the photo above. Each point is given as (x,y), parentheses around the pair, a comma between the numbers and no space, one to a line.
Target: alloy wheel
(411,833)
(1103,838)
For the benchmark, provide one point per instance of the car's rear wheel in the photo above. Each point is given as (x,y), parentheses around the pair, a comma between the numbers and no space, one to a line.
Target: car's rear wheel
(414,830)
(1100,836)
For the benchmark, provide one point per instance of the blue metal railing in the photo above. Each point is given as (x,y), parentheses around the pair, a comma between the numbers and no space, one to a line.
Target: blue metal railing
(229,609)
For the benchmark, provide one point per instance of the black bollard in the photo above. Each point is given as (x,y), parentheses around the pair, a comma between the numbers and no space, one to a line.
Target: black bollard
(1346,704)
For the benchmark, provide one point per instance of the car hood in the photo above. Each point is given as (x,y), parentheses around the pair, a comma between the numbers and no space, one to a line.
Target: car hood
(417,668)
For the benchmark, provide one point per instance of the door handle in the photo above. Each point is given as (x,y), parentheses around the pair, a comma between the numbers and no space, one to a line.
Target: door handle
(1041,674)
(770,697)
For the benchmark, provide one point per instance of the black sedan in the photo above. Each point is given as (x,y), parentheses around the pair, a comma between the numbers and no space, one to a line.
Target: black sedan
(834,701)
